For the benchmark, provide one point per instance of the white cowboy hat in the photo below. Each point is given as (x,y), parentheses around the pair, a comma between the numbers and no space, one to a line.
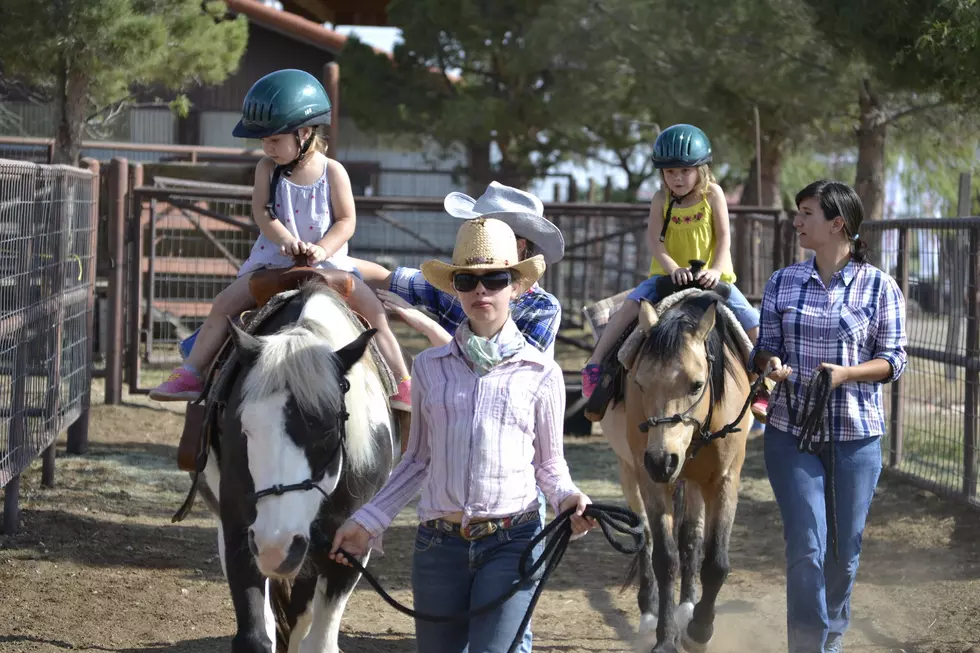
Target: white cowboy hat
(482,245)
(522,211)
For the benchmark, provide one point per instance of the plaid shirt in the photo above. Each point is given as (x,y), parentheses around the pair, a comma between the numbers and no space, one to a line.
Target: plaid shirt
(860,317)
(536,312)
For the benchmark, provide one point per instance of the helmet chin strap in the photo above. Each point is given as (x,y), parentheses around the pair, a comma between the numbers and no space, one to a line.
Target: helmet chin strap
(303,149)
(287,170)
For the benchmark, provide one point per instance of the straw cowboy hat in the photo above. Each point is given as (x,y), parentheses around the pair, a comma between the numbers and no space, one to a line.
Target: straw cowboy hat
(522,211)
(484,244)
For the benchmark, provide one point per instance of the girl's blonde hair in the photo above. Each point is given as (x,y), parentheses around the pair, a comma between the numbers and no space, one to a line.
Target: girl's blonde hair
(705,179)
(320,142)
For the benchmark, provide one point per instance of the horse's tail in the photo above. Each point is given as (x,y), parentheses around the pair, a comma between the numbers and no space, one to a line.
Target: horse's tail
(280,593)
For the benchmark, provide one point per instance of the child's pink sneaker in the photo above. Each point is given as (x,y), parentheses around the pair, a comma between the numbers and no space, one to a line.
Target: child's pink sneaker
(402,400)
(590,379)
(760,407)
(182,385)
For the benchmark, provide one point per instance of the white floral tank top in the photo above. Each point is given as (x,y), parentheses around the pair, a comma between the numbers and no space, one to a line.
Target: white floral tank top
(306,213)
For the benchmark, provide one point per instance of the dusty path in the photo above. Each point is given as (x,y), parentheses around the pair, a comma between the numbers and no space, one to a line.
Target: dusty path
(99,567)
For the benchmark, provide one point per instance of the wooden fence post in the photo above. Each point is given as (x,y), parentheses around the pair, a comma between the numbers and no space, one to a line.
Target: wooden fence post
(331,80)
(118,183)
(898,387)
(134,320)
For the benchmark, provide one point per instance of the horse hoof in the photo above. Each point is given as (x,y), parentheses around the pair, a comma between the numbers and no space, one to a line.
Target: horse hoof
(683,615)
(648,624)
(690,645)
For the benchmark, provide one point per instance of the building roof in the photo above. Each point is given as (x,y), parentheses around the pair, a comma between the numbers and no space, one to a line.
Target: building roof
(299,28)
(372,13)
(291,25)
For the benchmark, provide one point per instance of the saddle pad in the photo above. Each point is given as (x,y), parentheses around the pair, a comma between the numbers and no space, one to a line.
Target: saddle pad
(635,339)
(597,315)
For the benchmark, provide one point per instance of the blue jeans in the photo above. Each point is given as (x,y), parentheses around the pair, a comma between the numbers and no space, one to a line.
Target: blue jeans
(818,589)
(450,575)
(743,311)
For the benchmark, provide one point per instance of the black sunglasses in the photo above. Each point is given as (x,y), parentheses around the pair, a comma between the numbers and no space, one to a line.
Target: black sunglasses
(467,281)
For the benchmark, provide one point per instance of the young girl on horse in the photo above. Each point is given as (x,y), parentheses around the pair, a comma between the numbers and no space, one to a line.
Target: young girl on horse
(306,212)
(839,316)
(488,411)
(688,221)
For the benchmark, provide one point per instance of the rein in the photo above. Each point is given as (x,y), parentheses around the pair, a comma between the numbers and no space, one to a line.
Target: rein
(610,518)
(313,483)
(705,435)
(814,436)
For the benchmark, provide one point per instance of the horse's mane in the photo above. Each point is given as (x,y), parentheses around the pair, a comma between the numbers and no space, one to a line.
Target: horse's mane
(300,359)
(668,337)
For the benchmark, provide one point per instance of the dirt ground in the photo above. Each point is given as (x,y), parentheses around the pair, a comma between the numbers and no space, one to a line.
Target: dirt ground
(99,567)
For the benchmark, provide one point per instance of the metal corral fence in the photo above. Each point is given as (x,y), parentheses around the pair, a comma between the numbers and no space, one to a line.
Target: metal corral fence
(191,239)
(933,411)
(48,218)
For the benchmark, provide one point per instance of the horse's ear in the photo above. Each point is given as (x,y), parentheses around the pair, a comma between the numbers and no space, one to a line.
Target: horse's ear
(352,352)
(648,316)
(707,323)
(246,344)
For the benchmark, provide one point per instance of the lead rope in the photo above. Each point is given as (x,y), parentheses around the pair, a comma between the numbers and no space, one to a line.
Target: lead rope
(610,518)
(814,436)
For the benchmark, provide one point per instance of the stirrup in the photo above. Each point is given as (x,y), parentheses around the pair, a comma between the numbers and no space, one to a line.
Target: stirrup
(595,407)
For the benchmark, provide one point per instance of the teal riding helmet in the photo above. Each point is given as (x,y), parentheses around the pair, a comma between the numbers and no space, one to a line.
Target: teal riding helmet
(281,103)
(681,146)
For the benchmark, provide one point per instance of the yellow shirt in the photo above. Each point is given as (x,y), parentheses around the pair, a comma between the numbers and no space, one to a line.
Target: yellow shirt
(691,235)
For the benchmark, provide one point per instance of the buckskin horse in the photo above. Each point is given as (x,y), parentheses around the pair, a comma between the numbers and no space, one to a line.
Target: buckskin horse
(305,439)
(684,418)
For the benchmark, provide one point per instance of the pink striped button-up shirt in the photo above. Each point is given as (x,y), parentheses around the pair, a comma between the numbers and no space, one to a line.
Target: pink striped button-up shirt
(478,445)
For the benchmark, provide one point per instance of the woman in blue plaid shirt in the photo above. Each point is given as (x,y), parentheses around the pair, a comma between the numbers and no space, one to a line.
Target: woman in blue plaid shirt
(839,312)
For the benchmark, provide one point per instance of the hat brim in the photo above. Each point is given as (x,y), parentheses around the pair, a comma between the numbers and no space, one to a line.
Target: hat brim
(440,274)
(539,230)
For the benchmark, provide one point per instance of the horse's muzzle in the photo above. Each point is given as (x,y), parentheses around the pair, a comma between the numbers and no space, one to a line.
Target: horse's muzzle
(279,560)
(661,466)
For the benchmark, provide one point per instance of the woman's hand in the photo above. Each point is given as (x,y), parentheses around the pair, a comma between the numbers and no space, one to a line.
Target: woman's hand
(709,278)
(779,372)
(352,538)
(580,523)
(399,308)
(681,276)
(838,374)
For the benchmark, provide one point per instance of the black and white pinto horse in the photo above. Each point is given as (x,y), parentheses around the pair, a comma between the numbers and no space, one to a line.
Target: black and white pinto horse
(306,439)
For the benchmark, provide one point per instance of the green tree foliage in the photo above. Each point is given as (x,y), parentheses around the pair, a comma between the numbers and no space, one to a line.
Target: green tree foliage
(93,54)
(536,82)
(921,56)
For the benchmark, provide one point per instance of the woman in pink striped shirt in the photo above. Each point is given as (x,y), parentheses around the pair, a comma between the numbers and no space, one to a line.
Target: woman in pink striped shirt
(486,432)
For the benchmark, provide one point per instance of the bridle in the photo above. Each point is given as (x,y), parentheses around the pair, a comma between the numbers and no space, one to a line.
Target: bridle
(704,433)
(313,483)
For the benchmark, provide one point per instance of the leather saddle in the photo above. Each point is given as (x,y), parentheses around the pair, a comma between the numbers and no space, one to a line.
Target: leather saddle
(612,383)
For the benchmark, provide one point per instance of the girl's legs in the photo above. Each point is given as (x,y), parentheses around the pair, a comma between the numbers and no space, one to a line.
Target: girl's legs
(374,275)
(364,301)
(617,324)
(748,317)
(185,383)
